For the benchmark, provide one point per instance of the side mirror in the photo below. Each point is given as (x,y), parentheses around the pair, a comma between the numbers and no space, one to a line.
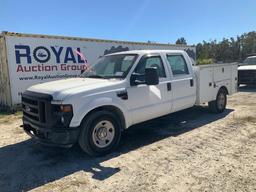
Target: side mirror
(151,76)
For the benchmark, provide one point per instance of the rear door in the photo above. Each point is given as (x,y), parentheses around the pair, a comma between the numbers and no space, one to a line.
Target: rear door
(183,86)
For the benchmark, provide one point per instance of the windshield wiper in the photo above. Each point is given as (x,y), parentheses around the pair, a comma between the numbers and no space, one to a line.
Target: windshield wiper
(95,76)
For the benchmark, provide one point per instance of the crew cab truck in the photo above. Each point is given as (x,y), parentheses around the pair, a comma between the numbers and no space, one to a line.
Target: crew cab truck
(121,90)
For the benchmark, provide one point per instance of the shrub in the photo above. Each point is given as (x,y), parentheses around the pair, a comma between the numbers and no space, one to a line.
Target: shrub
(204,61)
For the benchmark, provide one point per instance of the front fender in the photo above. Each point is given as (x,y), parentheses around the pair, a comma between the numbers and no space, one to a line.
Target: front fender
(80,111)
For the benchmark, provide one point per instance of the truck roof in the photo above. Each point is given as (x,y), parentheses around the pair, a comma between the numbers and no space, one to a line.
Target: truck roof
(148,52)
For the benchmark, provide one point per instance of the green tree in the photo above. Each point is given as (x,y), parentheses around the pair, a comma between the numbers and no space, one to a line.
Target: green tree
(228,50)
(181,41)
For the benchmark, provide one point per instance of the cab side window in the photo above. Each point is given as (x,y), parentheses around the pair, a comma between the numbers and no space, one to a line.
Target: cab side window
(154,61)
(178,64)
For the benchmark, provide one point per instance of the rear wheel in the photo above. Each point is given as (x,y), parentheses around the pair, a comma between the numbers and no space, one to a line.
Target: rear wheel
(100,133)
(219,105)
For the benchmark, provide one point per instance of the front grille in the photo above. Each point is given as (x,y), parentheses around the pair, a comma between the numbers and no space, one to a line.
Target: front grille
(34,117)
(247,76)
(29,101)
(35,108)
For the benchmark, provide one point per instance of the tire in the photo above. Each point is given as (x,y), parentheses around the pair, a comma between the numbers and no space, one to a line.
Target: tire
(100,133)
(219,105)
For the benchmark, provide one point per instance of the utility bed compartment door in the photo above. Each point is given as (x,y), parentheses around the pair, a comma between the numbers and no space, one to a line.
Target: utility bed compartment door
(234,80)
(222,73)
(205,91)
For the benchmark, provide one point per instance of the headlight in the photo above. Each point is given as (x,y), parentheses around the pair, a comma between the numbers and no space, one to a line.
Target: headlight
(63,114)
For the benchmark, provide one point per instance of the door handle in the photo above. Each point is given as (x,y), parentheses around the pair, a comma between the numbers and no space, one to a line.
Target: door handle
(191,82)
(169,86)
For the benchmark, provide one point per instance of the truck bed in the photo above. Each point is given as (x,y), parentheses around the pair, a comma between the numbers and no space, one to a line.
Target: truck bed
(211,77)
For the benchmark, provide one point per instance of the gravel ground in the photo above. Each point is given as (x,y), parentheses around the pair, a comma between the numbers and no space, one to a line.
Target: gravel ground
(192,150)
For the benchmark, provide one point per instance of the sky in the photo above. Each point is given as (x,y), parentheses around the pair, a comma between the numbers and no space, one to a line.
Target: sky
(162,21)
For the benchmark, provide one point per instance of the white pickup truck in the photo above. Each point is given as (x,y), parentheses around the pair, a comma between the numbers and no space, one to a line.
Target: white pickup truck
(121,90)
(247,71)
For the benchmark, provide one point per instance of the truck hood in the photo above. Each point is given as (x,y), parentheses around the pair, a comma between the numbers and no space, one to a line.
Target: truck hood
(61,88)
(247,67)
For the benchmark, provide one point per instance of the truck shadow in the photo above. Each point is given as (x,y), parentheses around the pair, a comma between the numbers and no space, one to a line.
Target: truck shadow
(27,165)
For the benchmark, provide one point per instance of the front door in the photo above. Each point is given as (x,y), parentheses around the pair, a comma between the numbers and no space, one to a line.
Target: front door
(146,102)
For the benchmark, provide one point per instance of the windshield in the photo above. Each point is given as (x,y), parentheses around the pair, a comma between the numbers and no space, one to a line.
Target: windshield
(111,66)
(250,61)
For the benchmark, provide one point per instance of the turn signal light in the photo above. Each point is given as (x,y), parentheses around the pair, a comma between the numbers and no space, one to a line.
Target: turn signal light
(66,108)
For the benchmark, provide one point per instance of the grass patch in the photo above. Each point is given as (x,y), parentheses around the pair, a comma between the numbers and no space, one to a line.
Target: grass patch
(4,114)
(18,113)
(7,117)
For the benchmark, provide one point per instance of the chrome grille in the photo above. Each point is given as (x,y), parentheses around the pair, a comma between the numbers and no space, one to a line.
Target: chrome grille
(247,76)
(33,109)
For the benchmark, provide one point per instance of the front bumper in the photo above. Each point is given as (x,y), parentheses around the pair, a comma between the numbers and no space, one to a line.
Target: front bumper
(60,137)
(45,122)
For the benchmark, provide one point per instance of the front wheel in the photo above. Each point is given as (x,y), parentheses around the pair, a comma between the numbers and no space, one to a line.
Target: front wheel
(219,105)
(100,133)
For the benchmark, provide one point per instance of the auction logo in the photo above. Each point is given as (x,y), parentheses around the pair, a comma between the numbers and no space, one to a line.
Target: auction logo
(43,54)
(39,58)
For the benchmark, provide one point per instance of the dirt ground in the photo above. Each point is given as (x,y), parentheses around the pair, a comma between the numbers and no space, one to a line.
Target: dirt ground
(192,150)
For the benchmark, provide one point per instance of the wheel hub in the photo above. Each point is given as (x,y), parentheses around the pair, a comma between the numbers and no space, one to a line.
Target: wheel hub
(103,134)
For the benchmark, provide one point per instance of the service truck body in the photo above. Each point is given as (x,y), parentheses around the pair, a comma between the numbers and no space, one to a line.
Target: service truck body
(140,86)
